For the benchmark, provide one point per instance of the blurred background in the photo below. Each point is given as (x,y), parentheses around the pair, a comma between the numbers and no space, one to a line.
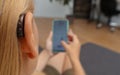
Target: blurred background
(95,21)
(57,8)
(97,25)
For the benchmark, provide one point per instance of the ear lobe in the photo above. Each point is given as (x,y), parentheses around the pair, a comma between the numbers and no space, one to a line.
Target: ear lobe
(28,44)
(31,55)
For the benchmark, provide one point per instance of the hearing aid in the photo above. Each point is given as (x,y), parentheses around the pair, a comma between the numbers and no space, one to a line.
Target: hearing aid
(20,30)
(20,26)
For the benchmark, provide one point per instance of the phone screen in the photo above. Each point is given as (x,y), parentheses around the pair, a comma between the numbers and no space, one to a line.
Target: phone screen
(60,29)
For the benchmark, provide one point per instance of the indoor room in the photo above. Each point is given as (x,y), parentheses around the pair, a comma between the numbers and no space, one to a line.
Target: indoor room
(95,22)
(59,37)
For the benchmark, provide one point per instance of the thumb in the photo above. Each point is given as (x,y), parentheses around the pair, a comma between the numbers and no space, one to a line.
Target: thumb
(50,35)
(64,44)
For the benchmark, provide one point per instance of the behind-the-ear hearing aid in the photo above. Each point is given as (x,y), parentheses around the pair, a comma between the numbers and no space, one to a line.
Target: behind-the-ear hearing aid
(20,26)
(20,29)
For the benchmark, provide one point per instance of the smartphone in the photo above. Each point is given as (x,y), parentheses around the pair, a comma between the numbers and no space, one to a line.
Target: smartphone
(60,31)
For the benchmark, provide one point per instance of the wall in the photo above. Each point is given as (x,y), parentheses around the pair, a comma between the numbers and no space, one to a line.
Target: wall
(44,8)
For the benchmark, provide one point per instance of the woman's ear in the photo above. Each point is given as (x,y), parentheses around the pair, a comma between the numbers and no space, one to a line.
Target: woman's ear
(28,44)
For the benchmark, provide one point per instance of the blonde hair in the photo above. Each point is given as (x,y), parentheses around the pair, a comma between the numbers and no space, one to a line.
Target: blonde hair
(10,59)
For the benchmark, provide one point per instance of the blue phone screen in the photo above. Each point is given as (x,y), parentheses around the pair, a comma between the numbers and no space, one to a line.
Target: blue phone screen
(60,29)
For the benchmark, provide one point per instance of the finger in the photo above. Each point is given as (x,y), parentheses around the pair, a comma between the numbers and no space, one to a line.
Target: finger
(70,32)
(69,42)
(65,45)
(50,36)
(76,38)
(70,38)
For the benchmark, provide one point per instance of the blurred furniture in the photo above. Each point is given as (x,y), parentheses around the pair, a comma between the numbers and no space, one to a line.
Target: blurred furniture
(109,9)
(81,8)
(94,10)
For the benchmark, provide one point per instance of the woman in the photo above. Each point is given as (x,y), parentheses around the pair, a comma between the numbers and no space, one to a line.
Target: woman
(19,56)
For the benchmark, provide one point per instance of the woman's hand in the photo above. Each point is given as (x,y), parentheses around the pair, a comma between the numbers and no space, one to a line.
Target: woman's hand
(49,44)
(73,50)
(45,55)
(73,46)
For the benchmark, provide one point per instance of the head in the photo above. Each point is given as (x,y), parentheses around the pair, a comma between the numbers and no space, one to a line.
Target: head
(17,55)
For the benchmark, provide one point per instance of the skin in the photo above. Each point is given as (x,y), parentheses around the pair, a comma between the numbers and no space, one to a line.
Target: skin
(73,52)
(32,62)
(29,46)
